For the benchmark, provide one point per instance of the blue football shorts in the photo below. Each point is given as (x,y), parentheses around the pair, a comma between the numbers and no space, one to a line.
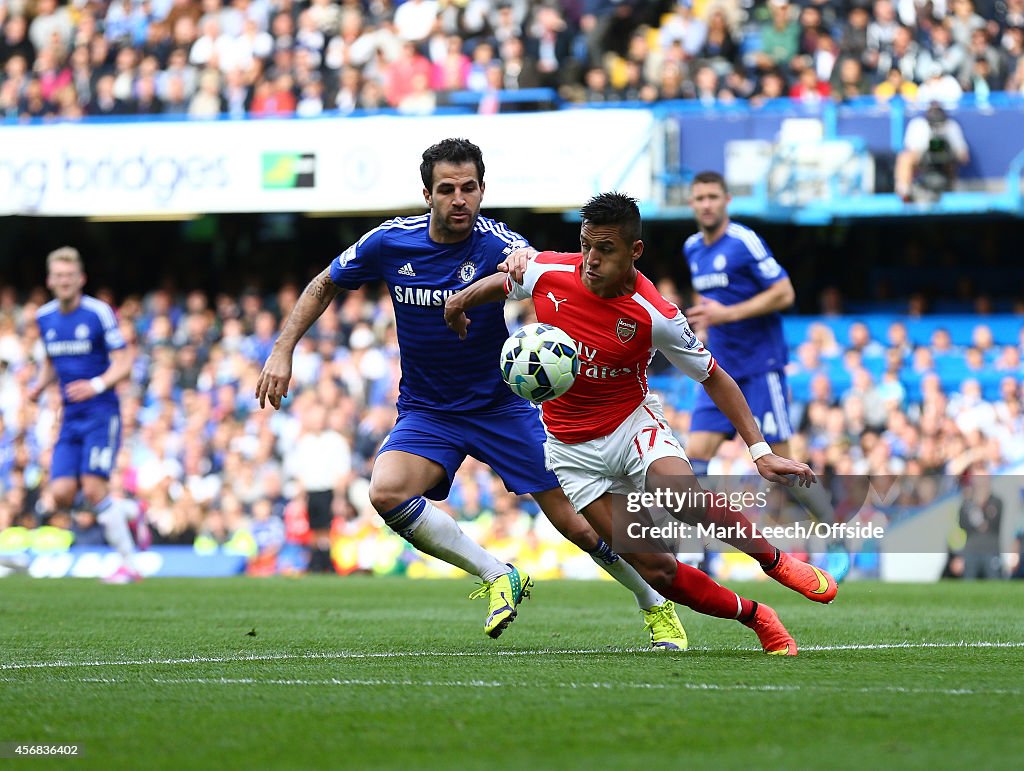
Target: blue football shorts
(510,440)
(768,397)
(87,444)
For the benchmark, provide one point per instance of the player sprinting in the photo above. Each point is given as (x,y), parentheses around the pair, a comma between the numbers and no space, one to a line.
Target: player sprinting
(741,291)
(452,401)
(607,434)
(85,352)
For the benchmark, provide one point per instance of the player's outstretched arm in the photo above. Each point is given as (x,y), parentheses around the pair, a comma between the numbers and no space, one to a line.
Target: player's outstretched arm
(273,381)
(728,397)
(490,289)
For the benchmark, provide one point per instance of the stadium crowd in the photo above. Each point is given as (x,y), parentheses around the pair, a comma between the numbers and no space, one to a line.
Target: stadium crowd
(205,58)
(216,472)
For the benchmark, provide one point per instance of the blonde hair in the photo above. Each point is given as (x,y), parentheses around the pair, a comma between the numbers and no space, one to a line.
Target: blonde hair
(64,254)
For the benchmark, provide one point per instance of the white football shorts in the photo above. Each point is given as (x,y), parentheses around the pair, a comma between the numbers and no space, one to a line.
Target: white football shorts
(615,463)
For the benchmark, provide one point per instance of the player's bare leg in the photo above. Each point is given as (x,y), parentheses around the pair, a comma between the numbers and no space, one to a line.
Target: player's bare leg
(397,486)
(64,490)
(688,586)
(666,631)
(701,447)
(675,474)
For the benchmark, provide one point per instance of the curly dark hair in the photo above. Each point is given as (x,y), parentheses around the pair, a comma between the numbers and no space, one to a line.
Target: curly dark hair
(450,151)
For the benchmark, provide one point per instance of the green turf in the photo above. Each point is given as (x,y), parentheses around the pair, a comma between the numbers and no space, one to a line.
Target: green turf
(378,673)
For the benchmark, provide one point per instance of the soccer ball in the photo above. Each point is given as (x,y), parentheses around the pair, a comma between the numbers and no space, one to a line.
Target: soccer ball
(539,362)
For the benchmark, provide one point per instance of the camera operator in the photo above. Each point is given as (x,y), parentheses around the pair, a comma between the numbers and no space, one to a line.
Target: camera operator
(933,150)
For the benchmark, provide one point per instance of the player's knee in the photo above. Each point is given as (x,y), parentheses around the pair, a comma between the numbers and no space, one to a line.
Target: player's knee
(63,492)
(94,490)
(385,496)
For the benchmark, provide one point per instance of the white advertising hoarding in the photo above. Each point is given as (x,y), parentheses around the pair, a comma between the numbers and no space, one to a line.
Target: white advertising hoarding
(550,160)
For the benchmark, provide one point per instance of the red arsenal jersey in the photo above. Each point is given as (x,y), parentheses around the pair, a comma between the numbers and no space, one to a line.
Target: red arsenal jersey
(616,338)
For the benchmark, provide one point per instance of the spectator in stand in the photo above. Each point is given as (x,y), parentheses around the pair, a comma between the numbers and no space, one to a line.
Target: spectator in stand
(981,516)
(964,21)
(274,97)
(15,41)
(771,85)
(945,51)
(175,99)
(207,101)
(684,28)
(320,460)
(720,49)
(990,75)
(850,81)
(50,22)
(400,73)
(415,18)
(451,71)
(808,89)
(895,85)
(854,33)
(881,33)
(548,45)
(104,103)
(421,99)
(780,38)
(146,101)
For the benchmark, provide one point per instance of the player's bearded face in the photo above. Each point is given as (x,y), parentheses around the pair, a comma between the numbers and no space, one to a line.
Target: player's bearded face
(608,260)
(709,202)
(455,200)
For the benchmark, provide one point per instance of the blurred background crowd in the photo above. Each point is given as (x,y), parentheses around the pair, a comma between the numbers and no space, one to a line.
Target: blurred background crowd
(215,471)
(205,58)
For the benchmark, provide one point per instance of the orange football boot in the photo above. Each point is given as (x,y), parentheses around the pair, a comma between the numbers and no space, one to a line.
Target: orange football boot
(774,638)
(813,583)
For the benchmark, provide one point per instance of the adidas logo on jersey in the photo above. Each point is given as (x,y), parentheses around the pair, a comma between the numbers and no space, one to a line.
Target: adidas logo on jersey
(406,270)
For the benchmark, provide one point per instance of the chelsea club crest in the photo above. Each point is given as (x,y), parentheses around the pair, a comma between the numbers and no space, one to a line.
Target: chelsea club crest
(466,271)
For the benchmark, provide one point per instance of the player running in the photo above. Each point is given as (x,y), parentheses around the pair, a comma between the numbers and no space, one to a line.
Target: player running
(741,290)
(85,352)
(452,401)
(607,434)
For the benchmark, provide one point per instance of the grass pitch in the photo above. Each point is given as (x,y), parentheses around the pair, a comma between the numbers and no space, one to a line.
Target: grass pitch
(388,673)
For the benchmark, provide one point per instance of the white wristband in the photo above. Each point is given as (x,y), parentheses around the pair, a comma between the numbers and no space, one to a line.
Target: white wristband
(759,450)
(98,385)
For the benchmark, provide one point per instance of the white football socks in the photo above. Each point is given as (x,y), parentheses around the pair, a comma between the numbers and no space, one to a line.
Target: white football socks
(113,517)
(612,564)
(435,533)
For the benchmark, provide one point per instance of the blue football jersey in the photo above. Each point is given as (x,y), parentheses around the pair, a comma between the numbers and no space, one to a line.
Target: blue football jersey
(439,371)
(734,268)
(78,345)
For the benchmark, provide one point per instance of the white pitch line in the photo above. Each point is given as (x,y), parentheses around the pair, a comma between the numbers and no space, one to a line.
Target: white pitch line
(379,682)
(311,656)
(331,656)
(913,646)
